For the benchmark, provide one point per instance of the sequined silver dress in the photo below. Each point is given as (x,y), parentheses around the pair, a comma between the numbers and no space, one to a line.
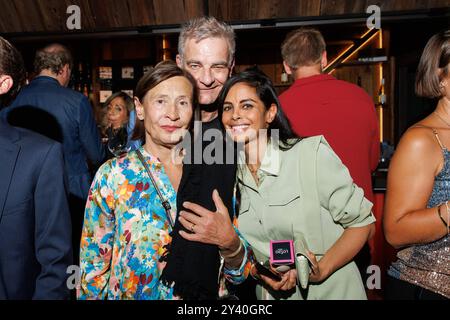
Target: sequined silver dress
(428,265)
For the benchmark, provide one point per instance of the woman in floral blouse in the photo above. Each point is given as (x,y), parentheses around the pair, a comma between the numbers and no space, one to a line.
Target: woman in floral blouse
(126,229)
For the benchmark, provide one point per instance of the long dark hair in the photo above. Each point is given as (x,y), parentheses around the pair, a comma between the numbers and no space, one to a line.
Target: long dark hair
(255,78)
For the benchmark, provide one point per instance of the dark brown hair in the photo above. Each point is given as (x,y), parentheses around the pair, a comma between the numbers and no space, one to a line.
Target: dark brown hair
(303,47)
(11,64)
(433,65)
(162,72)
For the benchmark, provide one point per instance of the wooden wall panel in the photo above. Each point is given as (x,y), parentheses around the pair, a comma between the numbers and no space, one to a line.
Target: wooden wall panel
(398,5)
(88,15)
(177,11)
(9,21)
(51,16)
(367,74)
(337,7)
(230,10)
(29,15)
(111,14)
(50,11)
(142,12)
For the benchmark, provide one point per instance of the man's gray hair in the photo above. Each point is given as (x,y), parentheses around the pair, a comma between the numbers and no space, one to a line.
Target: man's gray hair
(53,57)
(207,27)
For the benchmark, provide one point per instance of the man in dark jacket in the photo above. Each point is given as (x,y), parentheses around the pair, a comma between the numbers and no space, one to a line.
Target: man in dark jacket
(35,229)
(46,106)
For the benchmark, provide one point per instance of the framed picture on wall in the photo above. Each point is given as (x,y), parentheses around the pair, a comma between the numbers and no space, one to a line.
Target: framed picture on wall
(127,73)
(105,72)
(104,95)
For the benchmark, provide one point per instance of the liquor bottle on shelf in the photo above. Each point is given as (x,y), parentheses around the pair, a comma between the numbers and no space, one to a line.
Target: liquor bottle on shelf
(382,95)
(73,81)
(81,81)
(86,90)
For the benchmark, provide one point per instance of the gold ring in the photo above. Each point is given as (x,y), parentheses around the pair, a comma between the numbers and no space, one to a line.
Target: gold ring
(192,228)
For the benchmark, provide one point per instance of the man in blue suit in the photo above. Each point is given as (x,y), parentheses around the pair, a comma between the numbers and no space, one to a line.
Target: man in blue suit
(48,107)
(35,228)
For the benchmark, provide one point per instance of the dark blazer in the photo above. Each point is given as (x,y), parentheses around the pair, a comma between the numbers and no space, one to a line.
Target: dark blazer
(35,227)
(64,115)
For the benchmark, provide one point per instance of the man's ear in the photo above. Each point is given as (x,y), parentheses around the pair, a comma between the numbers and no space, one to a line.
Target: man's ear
(324,60)
(231,68)
(6,83)
(139,109)
(179,61)
(63,70)
(287,68)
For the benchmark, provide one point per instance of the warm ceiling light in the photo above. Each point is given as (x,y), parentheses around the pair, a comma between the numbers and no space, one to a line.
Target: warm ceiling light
(350,47)
(362,45)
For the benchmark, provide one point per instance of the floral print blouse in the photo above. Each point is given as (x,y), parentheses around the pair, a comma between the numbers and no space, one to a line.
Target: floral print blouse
(125,233)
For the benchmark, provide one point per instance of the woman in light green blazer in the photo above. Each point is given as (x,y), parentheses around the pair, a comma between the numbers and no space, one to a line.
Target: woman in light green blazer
(288,189)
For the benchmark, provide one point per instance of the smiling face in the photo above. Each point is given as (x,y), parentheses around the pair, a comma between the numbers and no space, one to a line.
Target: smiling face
(167,111)
(117,113)
(207,61)
(244,114)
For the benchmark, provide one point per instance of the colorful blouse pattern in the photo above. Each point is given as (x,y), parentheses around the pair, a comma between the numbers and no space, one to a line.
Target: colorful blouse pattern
(125,232)
(237,276)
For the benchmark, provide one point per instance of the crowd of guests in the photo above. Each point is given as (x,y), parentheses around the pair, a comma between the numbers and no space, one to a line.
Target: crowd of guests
(161,220)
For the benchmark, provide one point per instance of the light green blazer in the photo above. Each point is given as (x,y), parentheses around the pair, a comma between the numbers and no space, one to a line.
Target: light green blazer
(305,190)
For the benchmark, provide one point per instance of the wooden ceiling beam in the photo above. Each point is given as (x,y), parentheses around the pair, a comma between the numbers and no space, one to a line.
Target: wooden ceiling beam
(22,16)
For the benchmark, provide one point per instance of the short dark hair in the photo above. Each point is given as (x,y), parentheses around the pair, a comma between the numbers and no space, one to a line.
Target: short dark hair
(162,72)
(255,78)
(433,65)
(52,57)
(303,47)
(11,64)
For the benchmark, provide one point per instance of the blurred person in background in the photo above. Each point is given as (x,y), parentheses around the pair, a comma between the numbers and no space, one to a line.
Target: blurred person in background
(46,105)
(319,104)
(117,112)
